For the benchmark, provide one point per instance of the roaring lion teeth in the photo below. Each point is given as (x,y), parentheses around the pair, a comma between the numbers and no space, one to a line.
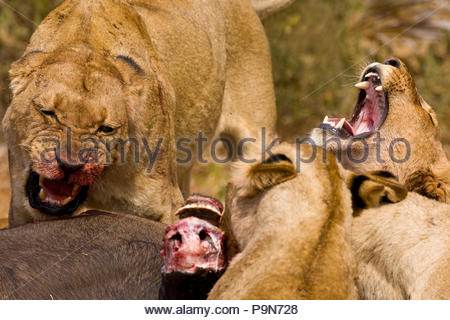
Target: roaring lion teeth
(41,180)
(325,120)
(362,85)
(340,124)
(379,88)
(371,74)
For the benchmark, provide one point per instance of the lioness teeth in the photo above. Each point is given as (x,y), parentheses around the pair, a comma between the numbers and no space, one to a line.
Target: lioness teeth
(334,123)
(41,180)
(340,124)
(362,85)
(66,201)
(371,74)
(42,194)
(75,189)
(327,121)
(379,88)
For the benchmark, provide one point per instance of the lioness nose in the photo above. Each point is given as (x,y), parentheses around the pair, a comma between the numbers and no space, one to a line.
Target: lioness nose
(69,167)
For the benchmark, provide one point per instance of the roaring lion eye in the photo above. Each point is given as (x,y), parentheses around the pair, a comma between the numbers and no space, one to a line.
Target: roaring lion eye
(393,62)
(106,129)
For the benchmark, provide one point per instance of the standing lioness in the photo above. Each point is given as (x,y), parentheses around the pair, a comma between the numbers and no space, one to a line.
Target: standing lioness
(106,89)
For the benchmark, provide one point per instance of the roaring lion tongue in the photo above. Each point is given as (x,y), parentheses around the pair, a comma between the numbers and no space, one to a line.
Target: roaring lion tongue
(370,110)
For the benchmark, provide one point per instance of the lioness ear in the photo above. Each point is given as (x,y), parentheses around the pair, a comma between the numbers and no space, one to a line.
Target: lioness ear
(22,68)
(375,189)
(429,110)
(270,172)
(132,73)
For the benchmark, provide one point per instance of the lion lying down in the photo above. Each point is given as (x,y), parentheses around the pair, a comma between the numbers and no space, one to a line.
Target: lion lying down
(107,89)
(393,129)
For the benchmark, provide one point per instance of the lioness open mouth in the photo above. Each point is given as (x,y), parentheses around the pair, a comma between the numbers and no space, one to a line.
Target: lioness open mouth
(369,114)
(56,197)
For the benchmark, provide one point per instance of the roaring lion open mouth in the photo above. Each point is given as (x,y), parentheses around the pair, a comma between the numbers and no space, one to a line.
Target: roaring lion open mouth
(369,114)
(56,197)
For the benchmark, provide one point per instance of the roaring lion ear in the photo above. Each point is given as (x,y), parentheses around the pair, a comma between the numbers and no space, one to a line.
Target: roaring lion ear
(429,110)
(375,189)
(22,68)
(270,172)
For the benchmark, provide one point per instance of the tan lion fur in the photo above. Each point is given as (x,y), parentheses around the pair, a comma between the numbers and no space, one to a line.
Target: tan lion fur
(5,189)
(427,171)
(403,250)
(294,236)
(197,67)
(290,231)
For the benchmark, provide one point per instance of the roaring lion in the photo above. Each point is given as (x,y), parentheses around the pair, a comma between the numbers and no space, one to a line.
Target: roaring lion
(393,129)
(292,228)
(109,94)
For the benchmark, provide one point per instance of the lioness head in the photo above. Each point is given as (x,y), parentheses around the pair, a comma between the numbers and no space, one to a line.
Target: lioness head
(392,128)
(67,128)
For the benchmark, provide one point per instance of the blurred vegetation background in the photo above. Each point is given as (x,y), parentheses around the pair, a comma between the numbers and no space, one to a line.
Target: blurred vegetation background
(318,49)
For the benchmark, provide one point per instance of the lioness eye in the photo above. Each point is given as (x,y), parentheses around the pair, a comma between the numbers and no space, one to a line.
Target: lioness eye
(393,62)
(105,129)
(48,113)
(42,109)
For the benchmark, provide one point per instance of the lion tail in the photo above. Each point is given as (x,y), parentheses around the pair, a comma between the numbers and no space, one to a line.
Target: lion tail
(265,8)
